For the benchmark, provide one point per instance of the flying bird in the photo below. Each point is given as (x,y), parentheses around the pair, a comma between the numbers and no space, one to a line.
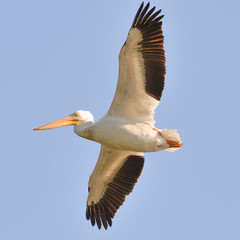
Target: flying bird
(127,130)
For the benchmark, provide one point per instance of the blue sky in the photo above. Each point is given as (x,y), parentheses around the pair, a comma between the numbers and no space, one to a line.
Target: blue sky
(57,57)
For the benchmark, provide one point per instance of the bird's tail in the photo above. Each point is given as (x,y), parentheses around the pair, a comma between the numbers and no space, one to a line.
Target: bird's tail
(173,139)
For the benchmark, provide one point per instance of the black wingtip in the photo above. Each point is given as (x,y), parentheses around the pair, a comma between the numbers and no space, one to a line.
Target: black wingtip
(137,14)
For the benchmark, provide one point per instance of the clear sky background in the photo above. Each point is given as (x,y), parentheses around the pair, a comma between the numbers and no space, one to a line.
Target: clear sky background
(57,57)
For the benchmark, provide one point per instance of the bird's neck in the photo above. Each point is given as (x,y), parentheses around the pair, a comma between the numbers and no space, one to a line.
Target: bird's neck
(84,129)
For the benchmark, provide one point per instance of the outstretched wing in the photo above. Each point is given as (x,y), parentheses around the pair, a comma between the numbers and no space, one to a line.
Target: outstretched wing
(113,178)
(141,68)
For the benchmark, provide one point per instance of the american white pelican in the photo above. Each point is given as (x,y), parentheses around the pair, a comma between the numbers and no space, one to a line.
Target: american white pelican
(127,129)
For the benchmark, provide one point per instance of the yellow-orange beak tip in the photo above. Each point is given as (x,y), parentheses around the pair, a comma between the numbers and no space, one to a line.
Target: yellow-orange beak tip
(36,129)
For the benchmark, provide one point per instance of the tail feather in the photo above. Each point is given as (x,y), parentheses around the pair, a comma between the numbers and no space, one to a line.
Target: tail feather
(172,136)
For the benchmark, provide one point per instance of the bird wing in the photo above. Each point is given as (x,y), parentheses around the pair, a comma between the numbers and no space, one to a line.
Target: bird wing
(114,177)
(141,69)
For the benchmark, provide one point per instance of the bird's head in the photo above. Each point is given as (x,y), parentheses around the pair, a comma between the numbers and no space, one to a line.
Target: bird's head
(76,118)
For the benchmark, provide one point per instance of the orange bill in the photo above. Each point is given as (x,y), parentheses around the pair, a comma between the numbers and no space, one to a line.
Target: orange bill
(59,123)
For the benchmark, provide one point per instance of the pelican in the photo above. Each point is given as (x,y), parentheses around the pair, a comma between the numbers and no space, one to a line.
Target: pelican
(127,130)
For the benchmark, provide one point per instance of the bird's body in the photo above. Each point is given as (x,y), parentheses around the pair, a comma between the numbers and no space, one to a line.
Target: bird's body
(123,134)
(127,130)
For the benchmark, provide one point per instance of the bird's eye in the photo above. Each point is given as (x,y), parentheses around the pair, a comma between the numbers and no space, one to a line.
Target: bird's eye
(75,115)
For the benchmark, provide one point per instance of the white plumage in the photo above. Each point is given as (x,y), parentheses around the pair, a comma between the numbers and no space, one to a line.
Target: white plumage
(127,129)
